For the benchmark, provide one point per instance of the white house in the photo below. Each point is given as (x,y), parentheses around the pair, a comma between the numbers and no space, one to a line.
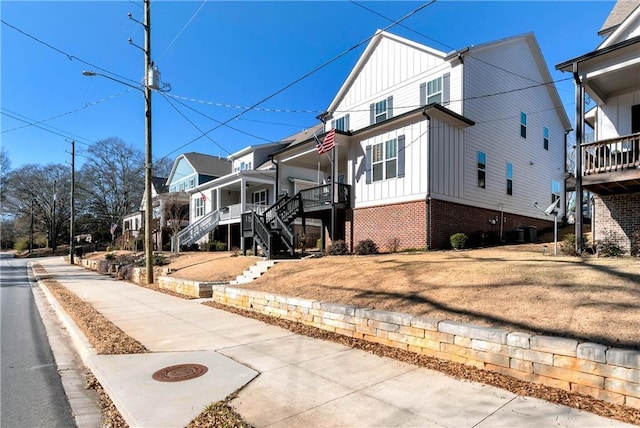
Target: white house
(429,143)
(609,166)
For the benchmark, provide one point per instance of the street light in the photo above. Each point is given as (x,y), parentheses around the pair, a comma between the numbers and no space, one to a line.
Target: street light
(148,210)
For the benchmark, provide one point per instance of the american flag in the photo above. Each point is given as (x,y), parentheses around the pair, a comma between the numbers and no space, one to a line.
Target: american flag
(203,197)
(328,143)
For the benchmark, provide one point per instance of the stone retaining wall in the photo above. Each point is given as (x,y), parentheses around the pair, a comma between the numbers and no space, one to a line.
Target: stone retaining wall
(609,374)
(187,287)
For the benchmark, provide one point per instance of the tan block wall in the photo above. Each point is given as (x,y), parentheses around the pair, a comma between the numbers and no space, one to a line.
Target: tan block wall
(608,374)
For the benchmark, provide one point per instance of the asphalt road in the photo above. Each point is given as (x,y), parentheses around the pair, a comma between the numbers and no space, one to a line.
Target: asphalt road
(30,388)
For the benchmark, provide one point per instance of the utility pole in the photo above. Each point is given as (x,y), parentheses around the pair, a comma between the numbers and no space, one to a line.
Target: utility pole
(31,229)
(148,212)
(73,208)
(53,217)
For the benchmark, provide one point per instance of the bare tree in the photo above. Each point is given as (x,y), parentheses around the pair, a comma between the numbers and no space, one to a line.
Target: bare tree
(176,212)
(111,183)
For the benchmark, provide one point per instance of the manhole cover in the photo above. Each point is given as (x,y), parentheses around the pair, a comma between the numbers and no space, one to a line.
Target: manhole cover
(180,372)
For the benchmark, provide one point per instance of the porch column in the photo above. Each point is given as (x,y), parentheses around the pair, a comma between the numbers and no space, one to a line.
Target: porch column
(243,208)
(579,140)
(218,200)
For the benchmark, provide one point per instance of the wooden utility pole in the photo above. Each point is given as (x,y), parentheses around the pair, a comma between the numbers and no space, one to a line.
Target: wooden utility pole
(72,245)
(148,211)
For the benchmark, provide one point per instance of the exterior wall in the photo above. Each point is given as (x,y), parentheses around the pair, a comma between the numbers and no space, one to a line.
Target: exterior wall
(448,218)
(404,222)
(617,217)
(393,68)
(599,371)
(410,187)
(497,129)
(614,118)
(248,160)
(186,174)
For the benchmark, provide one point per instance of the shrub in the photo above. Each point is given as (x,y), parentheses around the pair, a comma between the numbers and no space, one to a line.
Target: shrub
(21,244)
(110,256)
(338,248)
(458,240)
(568,244)
(366,246)
(608,246)
(393,245)
(158,260)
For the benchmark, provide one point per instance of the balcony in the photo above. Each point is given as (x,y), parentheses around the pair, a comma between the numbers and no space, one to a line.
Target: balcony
(612,166)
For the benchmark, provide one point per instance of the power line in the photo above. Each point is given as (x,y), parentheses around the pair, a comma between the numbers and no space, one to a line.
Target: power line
(69,56)
(30,122)
(239,107)
(182,30)
(316,69)
(86,106)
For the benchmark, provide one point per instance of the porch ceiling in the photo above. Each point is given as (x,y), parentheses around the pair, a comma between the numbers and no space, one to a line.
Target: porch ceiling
(609,72)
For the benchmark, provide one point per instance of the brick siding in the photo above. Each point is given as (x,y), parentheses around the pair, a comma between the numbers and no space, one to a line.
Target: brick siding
(617,217)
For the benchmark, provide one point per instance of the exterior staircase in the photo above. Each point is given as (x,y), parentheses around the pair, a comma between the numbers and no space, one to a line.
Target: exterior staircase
(254,272)
(196,230)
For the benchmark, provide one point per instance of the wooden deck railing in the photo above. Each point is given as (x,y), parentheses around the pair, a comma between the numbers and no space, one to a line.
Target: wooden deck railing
(611,155)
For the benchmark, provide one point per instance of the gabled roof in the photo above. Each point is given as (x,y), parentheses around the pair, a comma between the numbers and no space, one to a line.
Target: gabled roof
(621,10)
(203,164)
(362,61)
(208,165)
(303,135)
(626,27)
(273,146)
(547,80)
(160,184)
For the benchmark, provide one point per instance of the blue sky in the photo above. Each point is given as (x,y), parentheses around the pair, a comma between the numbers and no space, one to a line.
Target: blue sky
(221,57)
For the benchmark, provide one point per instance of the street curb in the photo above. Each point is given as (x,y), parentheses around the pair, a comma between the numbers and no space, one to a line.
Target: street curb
(59,328)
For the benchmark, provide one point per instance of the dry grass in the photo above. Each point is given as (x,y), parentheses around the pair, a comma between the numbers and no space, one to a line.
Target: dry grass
(514,287)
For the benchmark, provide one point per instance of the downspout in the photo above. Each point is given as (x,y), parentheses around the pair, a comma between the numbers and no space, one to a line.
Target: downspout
(277,176)
(566,201)
(427,200)
(579,141)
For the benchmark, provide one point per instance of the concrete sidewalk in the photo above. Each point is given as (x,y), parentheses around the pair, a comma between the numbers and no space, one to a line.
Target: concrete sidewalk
(291,380)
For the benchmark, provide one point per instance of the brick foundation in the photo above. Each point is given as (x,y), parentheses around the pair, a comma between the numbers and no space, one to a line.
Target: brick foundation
(404,225)
(617,217)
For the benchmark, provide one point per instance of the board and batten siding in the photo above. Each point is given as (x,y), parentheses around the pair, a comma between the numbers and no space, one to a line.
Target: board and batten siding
(497,129)
(393,69)
(412,186)
(446,161)
(614,118)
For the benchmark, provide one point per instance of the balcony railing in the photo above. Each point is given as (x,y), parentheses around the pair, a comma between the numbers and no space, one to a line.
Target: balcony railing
(232,212)
(612,155)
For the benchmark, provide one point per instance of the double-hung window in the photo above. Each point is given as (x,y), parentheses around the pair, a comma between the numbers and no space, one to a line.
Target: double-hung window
(509,179)
(381,111)
(434,91)
(199,207)
(545,138)
(482,170)
(523,125)
(384,161)
(341,124)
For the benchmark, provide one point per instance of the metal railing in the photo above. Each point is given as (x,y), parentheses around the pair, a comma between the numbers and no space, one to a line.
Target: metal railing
(611,155)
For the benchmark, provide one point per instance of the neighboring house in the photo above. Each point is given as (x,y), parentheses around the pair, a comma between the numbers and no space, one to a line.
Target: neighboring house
(609,166)
(133,224)
(217,204)
(428,144)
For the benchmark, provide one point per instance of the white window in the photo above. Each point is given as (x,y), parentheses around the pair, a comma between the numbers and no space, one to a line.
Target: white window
(434,91)
(384,160)
(192,183)
(381,112)
(199,207)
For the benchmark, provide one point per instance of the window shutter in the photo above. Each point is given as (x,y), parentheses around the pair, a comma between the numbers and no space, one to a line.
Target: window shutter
(423,94)
(401,156)
(446,84)
(267,198)
(367,160)
(333,124)
(346,123)
(372,116)
(390,107)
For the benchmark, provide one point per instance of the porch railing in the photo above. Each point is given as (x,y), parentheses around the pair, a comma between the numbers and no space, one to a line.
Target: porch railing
(611,155)
(321,195)
(232,212)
